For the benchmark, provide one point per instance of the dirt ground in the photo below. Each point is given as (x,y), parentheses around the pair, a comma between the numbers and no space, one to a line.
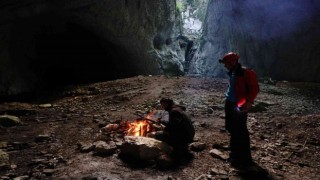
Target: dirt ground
(284,130)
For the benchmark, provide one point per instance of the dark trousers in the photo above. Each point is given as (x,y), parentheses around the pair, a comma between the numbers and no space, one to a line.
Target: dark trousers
(174,140)
(236,125)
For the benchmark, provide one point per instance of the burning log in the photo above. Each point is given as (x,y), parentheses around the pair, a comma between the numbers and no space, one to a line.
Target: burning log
(131,128)
(141,126)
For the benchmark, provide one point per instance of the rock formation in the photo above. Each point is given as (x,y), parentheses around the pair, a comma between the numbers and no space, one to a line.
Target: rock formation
(49,43)
(278,39)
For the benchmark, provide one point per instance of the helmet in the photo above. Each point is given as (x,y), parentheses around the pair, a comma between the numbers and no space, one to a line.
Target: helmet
(229,57)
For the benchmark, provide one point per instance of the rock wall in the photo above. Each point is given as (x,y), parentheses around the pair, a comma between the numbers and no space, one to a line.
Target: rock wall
(47,42)
(192,14)
(279,39)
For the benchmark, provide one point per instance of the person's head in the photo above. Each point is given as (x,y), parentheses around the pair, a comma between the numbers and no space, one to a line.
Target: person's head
(230,60)
(166,103)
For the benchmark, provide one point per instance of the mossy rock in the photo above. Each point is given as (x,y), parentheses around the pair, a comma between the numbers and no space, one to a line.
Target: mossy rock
(8,120)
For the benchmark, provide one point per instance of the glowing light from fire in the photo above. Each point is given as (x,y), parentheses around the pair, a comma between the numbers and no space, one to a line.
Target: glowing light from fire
(139,128)
(150,115)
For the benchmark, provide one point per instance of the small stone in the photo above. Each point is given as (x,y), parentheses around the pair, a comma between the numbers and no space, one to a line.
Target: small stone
(48,171)
(110,127)
(218,154)
(217,146)
(38,161)
(280,125)
(3,145)
(164,161)
(224,177)
(210,110)
(197,146)
(42,138)
(204,177)
(277,166)
(21,178)
(45,105)
(85,148)
(215,171)
(13,166)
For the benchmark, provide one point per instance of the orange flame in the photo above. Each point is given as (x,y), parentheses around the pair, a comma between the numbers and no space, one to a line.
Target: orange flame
(138,128)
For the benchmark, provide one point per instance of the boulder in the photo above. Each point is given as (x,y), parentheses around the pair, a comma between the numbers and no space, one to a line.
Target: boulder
(144,148)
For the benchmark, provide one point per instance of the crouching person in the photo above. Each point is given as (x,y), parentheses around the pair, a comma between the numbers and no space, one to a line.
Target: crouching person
(178,131)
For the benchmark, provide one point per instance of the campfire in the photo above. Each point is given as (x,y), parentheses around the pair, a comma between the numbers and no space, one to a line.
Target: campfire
(139,127)
(133,140)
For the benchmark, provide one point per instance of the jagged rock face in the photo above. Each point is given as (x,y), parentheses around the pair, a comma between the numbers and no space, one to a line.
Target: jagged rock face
(278,39)
(192,17)
(50,42)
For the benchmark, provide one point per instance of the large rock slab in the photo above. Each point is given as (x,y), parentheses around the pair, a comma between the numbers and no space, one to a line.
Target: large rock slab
(144,148)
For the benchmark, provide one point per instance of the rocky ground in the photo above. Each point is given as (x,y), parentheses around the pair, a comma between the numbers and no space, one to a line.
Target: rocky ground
(284,129)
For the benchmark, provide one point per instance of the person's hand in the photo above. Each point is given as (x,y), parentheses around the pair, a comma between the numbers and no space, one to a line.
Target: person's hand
(246,106)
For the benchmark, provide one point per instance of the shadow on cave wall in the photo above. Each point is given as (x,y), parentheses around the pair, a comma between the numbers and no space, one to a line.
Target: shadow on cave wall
(74,56)
(64,54)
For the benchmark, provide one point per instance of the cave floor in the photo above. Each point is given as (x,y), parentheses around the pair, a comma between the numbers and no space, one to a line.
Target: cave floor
(284,130)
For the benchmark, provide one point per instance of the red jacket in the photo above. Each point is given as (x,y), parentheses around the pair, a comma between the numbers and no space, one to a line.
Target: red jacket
(247,86)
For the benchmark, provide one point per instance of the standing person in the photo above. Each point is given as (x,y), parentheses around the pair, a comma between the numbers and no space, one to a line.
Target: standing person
(179,130)
(242,90)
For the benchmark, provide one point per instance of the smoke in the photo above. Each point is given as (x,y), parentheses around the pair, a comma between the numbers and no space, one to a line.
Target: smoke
(273,18)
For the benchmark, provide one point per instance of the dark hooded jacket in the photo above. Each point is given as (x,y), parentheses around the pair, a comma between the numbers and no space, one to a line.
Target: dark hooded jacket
(179,126)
